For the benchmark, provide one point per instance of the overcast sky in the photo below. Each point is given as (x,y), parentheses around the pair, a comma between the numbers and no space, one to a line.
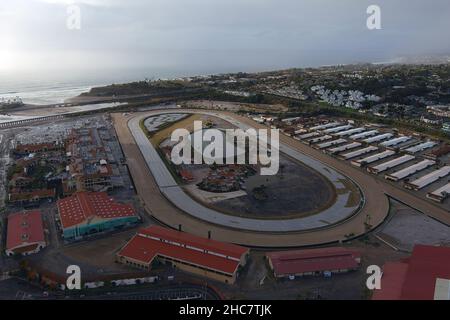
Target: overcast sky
(199,36)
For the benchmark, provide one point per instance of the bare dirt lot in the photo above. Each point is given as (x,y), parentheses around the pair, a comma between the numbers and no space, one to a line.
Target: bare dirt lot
(295,191)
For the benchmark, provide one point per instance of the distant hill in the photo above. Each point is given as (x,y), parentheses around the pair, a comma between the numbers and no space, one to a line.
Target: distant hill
(423,59)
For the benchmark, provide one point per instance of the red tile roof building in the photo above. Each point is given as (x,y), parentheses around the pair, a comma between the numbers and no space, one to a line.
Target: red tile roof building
(417,277)
(206,257)
(86,213)
(25,233)
(313,261)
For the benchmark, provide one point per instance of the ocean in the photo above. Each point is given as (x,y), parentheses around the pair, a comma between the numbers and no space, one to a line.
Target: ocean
(56,87)
(41,92)
(42,89)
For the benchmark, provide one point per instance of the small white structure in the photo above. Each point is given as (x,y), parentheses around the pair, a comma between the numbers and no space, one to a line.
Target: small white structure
(338,129)
(350,132)
(320,139)
(395,142)
(371,159)
(378,138)
(309,135)
(345,147)
(399,175)
(390,164)
(331,143)
(421,147)
(325,126)
(428,179)
(440,194)
(364,135)
(357,153)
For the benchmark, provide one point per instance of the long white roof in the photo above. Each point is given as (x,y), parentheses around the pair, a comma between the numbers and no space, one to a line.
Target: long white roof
(377,156)
(364,134)
(431,177)
(440,192)
(379,137)
(349,146)
(349,132)
(393,163)
(337,129)
(320,139)
(359,152)
(422,146)
(412,169)
(330,143)
(325,126)
(394,142)
(309,135)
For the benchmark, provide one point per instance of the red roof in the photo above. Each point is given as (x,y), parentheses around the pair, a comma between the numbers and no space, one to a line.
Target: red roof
(416,280)
(226,249)
(81,206)
(24,229)
(394,274)
(157,241)
(314,260)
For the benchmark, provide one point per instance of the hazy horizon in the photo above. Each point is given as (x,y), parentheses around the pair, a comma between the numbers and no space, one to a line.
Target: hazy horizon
(159,38)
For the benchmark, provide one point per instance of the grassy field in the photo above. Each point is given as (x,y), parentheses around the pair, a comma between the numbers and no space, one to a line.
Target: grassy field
(186,123)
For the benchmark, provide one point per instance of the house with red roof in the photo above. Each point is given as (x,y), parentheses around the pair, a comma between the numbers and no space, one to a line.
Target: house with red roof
(311,262)
(202,256)
(425,275)
(87,213)
(25,233)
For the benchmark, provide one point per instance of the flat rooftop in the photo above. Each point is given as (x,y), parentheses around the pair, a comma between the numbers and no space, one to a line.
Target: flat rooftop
(431,177)
(412,169)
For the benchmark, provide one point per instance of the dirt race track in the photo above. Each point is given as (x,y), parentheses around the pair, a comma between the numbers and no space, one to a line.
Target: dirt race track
(374,211)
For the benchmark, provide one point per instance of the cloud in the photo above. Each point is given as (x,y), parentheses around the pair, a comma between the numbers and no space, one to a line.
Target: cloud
(219,34)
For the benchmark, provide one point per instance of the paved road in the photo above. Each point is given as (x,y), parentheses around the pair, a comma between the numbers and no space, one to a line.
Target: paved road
(376,206)
(338,211)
